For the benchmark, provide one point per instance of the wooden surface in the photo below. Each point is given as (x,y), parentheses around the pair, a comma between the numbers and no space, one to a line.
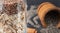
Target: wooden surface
(31,30)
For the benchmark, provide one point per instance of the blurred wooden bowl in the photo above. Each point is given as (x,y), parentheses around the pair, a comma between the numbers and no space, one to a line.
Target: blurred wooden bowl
(43,9)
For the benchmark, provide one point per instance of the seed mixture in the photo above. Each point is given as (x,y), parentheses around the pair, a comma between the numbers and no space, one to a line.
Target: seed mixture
(12,19)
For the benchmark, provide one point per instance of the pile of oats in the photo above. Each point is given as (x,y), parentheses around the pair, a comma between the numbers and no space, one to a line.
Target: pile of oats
(14,22)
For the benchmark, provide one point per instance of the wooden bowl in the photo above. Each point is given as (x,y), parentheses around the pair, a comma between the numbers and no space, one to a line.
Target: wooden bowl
(43,9)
